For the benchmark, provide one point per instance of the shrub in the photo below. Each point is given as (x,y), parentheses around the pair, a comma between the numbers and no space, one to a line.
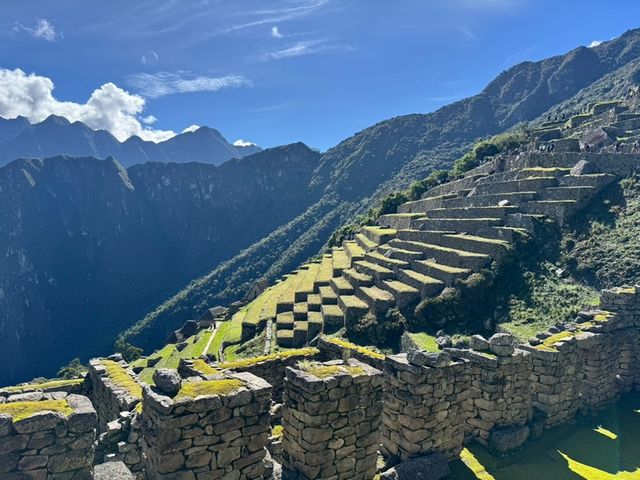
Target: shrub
(384,332)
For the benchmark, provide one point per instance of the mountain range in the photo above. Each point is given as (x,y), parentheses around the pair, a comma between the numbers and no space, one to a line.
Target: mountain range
(58,136)
(139,250)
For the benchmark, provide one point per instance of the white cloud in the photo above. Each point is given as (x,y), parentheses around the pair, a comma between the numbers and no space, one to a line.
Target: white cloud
(275,32)
(43,29)
(149,120)
(191,128)
(306,47)
(150,58)
(109,107)
(595,43)
(243,143)
(467,32)
(154,85)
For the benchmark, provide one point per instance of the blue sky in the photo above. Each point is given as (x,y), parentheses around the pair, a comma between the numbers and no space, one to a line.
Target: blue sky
(274,72)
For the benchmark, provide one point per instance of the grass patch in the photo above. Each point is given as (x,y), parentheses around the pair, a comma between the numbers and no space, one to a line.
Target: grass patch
(424,341)
(277,431)
(248,362)
(203,367)
(325,371)
(357,348)
(549,343)
(21,410)
(42,386)
(209,387)
(121,378)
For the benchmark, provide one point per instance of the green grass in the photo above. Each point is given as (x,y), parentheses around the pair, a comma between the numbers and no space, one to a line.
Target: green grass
(21,410)
(209,387)
(340,259)
(323,371)
(425,341)
(357,348)
(42,386)
(271,304)
(229,332)
(308,279)
(247,362)
(120,377)
(325,273)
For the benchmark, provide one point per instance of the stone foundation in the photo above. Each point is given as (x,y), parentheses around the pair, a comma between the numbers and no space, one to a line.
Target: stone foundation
(55,440)
(331,418)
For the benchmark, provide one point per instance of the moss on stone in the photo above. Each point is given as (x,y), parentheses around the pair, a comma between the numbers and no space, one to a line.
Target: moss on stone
(42,386)
(277,431)
(323,371)
(121,378)
(248,362)
(549,343)
(21,410)
(203,367)
(357,348)
(209,387)
(424,341)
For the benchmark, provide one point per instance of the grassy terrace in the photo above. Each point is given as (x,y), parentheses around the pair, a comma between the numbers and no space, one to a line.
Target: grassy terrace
(325,273)
(209,387)
(340,259)
(288,295)
(21,410)
(308,281)
(120,377)
(325,371)
(356,348)
(247,362)
(606,447)
(42,386)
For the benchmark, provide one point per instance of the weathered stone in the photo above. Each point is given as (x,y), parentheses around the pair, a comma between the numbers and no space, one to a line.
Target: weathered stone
(167,381)
(429,359)
(478,343)
(430,467)
(112,471)
(508,439)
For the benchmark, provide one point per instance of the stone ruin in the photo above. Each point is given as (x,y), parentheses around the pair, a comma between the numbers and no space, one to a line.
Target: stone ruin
(339,406)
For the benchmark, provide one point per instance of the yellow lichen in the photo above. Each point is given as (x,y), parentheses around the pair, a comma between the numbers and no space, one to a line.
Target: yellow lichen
(277,431)
(357,348)
(21,410)
(120,377)
(203,367)
(549,343)
(247,362)
(209,387)
(607,433)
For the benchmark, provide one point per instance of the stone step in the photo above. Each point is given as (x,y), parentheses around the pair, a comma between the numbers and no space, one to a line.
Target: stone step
(314,302)
(300,311)
(377,272)
(315,325)
(529,172)
(469,225)
(398,253)
(532,184)
(284,321)
(284,338)
(377,299)
(307,283)
(471,212)
(357,279)
(398,221)
(341,286)
(425,203)
(300,334)
(596,180)
(445,255)
(489,200)
(403,294)
(446,273)
(455,186)
(332,316)
(559,210)
(353,250)
(379,235)
(364,242)
(579,193)
(352,307)
(426,286)
(527,221)
(471,243)
(328,296)
(341,261)
(325,273)
(507,234)
(382,260)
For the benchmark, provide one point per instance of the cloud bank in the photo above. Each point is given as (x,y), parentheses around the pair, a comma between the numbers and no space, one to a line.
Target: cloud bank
(108,108)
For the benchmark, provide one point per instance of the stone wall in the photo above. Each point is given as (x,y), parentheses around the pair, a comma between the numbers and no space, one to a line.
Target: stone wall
(211,429)
(113,388)
(331,418)
(54,441)
(332,349)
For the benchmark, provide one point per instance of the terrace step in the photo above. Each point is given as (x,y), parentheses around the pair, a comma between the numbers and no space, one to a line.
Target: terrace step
(357,279)
(559,210)
(300,311)
(446,273)
(354,251)
(471,243)
(531,184)
(341,261)
(325,273)
(328,296)
(377,299)
(470,225)
(315,325)
(314,302)
(332,316)
(398,220)
(491,199)
(307,283)
(377,272)
(384,261)
(341,286)
(580,193)
(528,221)
(507,234)
(403,294)
(352,307)
(471,212)
(446,255)
(284,338)
(426,286)
(596,180)
(398,253)
(425,203)
(365,243)
(300,333)
(379,235)
(284,321)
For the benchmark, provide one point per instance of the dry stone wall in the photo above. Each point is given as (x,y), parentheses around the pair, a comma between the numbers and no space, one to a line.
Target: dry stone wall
(331,420)
(54,442)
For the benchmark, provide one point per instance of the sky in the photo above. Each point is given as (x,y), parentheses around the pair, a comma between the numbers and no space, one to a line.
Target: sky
(274,72)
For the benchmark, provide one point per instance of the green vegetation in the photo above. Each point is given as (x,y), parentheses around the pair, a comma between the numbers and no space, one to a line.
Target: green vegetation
(209,387)
(424,341)
(277,431)
(203,367)
(549,343)
(21,410)
(120,377)
(356,348)
(322,371)
(488,148)
(128,351)
(73,370)
(42,386)
(247,362)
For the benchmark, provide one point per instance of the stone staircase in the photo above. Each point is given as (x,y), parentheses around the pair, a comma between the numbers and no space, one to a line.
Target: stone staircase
(455,230)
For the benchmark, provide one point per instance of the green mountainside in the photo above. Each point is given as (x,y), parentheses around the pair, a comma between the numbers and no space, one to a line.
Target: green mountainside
(360,171)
